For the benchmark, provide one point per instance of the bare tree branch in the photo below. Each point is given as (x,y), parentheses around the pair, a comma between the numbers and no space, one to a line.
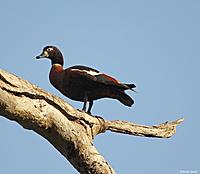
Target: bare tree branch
(164,130)
(69,130)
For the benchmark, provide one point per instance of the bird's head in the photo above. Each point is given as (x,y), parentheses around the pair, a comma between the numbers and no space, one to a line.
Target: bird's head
(52,53)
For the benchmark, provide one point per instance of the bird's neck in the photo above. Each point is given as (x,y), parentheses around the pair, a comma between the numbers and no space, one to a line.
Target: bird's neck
(55,75)
(58,59)
(56,68)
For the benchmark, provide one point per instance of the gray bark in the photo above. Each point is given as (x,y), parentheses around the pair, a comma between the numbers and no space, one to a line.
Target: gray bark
(69,130)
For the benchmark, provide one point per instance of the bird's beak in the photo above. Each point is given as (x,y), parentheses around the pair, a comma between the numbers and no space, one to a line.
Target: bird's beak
(44,54)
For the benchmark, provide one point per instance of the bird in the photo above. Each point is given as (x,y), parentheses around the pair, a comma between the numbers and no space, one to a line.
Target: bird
(82,83)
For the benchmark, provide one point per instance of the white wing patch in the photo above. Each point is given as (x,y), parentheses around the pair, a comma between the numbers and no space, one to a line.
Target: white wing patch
(90,72)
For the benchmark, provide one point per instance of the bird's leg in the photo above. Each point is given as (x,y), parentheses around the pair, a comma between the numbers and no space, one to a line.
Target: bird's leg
(85,103)
(90,107)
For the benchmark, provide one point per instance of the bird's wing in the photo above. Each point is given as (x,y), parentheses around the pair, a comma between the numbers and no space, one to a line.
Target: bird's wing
(98,77)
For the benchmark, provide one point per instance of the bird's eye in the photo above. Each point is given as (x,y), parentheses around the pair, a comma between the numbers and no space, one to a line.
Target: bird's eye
(49,49)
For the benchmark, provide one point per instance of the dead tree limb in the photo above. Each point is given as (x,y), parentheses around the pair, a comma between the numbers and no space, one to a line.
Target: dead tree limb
(69,130)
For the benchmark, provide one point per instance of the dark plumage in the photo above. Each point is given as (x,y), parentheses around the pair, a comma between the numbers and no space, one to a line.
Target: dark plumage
(82,83)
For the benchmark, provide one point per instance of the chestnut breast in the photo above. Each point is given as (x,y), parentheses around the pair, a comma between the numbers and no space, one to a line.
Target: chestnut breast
(56,76)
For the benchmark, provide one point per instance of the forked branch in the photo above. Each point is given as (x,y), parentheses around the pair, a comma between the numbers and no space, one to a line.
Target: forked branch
(69,130)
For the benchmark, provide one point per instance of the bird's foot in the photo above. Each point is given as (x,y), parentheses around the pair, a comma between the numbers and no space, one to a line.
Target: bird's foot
(81,110)
(88,112)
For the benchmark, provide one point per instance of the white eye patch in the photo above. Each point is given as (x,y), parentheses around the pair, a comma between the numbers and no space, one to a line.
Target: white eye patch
(46,54)
(49,49)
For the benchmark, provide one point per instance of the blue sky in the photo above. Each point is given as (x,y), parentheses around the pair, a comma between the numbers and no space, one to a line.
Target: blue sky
(154,44)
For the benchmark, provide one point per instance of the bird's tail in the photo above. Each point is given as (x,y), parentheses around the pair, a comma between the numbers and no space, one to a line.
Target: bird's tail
(131,86)
(125,99)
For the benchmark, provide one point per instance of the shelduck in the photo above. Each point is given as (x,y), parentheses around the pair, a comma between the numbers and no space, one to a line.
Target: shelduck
(82,83)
